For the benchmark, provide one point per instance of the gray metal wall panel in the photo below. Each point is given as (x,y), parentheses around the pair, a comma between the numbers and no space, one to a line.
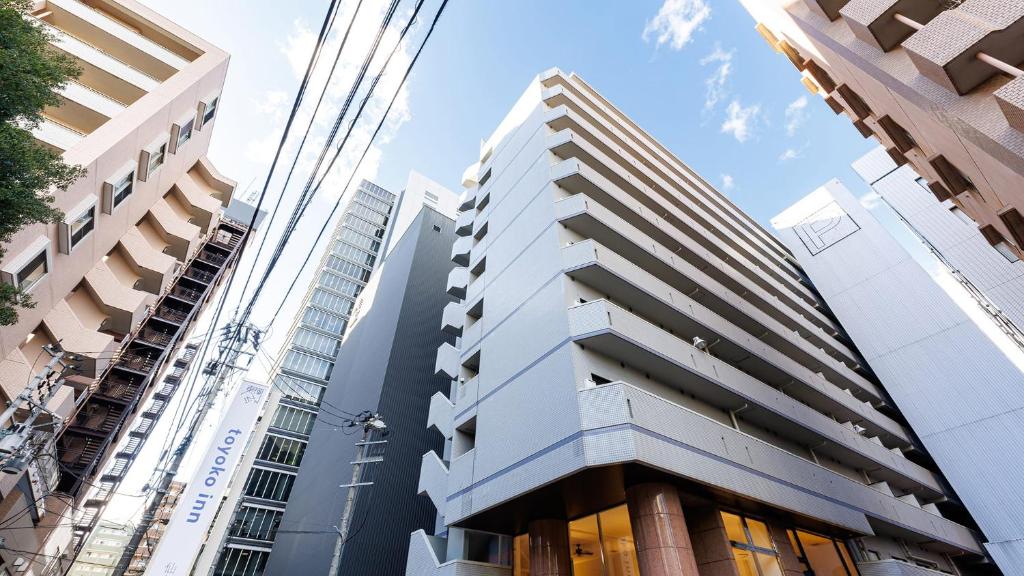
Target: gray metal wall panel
(957,390)
(386,363)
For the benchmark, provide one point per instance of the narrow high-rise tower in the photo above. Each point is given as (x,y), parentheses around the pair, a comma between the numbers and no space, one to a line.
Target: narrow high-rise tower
(647,383)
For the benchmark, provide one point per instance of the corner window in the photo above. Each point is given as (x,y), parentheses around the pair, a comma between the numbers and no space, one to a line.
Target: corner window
(32,272)
(602,544)
(752,546)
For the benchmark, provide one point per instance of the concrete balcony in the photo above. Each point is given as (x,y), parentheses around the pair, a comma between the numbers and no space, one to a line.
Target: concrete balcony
(729,266)
(63,324)
(155,269)
(56,135)
(103,72)
(195,195)
(827,8)
(461,249)
(458,280)
(453,318)
(464,223)
(427,557)
(434,480)
(113,37)
(593,220)
(1011,101)
(947,50)
(770,358)
(180,235)
(84,109)
(876,21)
(124,306)
(213,183)
(615,332)
(662,163)
(447,362)
(466,396)
(440,414)
(643,427)
(467,200)
(607,151)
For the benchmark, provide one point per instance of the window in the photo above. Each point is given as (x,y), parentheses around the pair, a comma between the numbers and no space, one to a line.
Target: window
(600,545)
(118,189)
(281,450)
(209,110)
(1006,251)
(82,226)
(307,365)
(487,547)
(241,562)
(269,484)
(156,159)
(821,555)
(256,523)
(316,342)
(293,419)
(299,390)
(181,132)
(485,177)
(752,546)
(325,321)
(962,216)
(32,272)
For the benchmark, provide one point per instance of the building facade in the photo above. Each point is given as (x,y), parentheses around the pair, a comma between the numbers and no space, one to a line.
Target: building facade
(938,83)
(419,191)
(101,551)
(385,365)
(119,281)
(247,522)
(995,278)
(957,390)
(646,382)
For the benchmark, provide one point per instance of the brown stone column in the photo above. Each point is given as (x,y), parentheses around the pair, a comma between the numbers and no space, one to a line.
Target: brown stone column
(659,529)
(790,563)
(549,548)
(711,546)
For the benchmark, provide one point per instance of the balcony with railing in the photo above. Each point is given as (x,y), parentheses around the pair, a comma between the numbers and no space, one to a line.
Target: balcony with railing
(887,23)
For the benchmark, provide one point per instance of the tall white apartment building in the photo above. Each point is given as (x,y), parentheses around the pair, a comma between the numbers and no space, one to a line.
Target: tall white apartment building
(995,278)
(647,383)
(958,391)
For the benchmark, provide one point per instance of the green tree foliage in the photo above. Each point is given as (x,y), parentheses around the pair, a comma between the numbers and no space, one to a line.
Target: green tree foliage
(31,71)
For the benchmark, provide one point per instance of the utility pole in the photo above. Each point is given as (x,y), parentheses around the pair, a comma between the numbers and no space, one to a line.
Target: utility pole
(16,449)
(235,339)
(370,423)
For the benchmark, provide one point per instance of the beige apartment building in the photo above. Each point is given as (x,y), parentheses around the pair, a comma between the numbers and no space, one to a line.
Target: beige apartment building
(118,283)
(937,82)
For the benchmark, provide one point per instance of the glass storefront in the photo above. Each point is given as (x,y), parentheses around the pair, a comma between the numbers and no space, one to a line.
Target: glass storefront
(752,546)
(599,545)
(821,555)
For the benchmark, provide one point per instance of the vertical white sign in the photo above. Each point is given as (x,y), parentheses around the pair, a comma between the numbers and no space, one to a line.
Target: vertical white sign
(192,518)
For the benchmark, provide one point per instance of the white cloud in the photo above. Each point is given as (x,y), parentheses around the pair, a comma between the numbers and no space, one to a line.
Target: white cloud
(676,22)
(715,84)
(728,182)
(790,154)
(796,114)
(741,121)
(871,200)
(275,105)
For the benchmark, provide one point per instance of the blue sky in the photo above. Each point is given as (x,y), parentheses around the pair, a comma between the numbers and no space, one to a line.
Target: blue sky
(694,73)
